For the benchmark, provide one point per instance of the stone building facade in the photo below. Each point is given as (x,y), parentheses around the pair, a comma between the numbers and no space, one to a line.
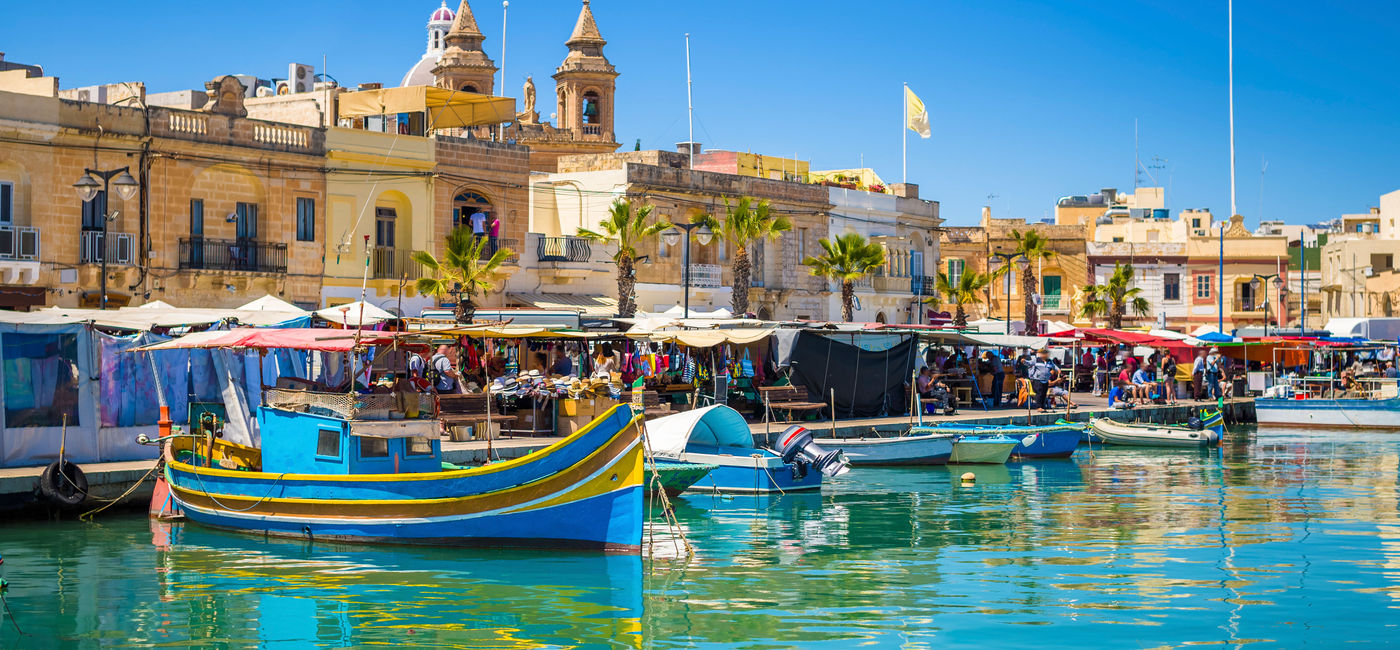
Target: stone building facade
(586,185)
(228,207)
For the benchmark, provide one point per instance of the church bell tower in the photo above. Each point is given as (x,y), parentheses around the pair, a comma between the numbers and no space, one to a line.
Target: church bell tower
(585,83)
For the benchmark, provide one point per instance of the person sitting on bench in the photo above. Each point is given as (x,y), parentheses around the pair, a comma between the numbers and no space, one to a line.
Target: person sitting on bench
(935,394)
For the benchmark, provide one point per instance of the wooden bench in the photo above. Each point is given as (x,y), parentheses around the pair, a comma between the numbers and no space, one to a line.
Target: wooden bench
(793,399)
(456,410)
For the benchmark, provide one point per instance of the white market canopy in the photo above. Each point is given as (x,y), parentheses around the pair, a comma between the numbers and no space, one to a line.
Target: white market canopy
(273,303)
(355,314)
(147,316)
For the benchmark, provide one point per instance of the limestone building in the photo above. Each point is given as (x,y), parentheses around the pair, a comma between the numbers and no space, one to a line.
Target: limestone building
(581,193)
(225,207)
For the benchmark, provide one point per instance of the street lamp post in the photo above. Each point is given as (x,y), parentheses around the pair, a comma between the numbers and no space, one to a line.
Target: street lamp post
(87,188)
(1022,261)
(672,236)
(1258,281)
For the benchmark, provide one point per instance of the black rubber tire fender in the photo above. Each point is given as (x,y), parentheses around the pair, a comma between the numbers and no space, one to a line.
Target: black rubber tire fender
(64,484)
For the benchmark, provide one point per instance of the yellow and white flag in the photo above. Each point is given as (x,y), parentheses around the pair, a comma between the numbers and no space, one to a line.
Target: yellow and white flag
(915,115)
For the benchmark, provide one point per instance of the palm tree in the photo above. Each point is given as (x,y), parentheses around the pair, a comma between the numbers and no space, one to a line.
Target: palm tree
(1115,297)
(967,291)
(744,223)
(1034,248)
(464,272)
(626,228)
(847,258)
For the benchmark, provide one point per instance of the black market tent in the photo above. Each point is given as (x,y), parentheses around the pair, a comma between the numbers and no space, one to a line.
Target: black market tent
(868,374)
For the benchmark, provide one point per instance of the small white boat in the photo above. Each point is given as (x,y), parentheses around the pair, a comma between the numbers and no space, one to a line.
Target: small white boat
(719,436)
(927,449)
(1158,435)
(995,449)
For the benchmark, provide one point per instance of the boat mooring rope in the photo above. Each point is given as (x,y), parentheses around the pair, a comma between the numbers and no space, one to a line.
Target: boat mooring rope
(87,516)
(658,492)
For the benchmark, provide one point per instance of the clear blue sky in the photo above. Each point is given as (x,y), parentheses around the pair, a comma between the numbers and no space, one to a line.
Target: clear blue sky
(1029,101)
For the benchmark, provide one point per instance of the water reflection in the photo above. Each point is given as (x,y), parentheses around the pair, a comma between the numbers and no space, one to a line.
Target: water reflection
(1286,538)
(199,586)
(1273,538)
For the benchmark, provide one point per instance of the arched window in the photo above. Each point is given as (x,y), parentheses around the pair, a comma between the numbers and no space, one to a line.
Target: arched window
(469,88)
(592,109)
(880,317)
(468,203)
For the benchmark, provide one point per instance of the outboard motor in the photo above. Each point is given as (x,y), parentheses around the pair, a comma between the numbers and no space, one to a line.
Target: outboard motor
(796,447)
(1195,423)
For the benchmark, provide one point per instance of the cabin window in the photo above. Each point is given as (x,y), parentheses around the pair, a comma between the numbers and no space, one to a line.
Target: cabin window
(371,447)
(328,444)
(419,446)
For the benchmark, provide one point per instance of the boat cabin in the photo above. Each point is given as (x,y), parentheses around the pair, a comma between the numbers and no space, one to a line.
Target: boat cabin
(311,443)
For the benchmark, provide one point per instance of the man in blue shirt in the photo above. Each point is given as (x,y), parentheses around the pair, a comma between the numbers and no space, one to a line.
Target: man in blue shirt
(1041,371)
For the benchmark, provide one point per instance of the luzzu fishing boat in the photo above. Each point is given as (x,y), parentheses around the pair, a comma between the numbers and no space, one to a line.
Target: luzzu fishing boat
(335,466)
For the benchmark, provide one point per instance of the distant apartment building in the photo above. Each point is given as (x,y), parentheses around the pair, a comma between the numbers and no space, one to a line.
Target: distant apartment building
(1357,259)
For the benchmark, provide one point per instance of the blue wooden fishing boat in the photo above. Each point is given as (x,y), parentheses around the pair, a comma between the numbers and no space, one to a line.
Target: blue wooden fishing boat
(342,466)
(718,435)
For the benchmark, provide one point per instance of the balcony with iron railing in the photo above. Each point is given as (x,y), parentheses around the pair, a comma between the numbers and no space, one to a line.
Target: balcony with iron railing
(865,283)
(244,255)
(503,242)
(391,263)
(923,285)
(119,248)
(563,249)
(19,243)
(1053,303)
(706,276)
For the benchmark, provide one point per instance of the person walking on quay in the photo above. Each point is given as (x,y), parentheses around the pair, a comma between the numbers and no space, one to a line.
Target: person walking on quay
(1198,376)
(1041,371)
(1214,372)
(1168,377)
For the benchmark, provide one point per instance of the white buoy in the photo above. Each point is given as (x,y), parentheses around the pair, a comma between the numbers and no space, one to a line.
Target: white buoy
(969,477)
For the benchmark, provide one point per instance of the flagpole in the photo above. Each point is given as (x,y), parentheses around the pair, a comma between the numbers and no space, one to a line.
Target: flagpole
(904,133)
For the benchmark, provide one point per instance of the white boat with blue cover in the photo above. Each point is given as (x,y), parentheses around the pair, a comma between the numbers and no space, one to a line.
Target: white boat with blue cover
(719,435)
(1043,441)
(922,449)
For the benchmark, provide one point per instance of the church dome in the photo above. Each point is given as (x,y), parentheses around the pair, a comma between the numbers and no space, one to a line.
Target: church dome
(421,74)
(442,15)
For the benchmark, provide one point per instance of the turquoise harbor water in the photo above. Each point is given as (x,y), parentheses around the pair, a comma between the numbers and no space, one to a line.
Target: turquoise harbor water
(1280,538)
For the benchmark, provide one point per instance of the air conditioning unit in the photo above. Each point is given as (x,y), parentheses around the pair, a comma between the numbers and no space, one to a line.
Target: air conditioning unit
(250,84)
(301,78)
